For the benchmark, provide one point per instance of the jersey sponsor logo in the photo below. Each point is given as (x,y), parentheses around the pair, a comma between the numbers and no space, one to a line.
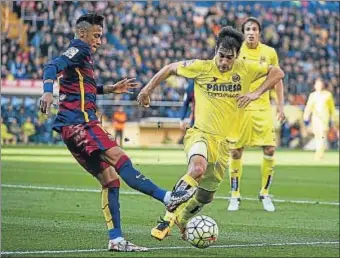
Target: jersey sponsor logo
(224,87)
(71,52)
(224,90)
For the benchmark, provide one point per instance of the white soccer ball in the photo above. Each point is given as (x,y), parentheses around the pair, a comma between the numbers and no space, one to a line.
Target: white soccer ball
(201,231)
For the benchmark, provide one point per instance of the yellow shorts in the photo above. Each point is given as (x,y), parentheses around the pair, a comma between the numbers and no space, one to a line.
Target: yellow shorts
(257,129)
(218,155)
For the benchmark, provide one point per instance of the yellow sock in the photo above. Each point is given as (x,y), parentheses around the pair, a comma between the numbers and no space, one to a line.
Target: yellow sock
(235,173)
(187,210)
(185,183)
(267,170)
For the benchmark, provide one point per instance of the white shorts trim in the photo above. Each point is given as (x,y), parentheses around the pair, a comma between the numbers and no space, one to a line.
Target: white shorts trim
(198,148)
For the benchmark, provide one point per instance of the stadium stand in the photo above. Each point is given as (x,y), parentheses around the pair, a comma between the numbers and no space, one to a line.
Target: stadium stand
(141,37)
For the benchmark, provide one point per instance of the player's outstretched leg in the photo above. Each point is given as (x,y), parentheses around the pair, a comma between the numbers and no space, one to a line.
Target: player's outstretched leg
(132,177)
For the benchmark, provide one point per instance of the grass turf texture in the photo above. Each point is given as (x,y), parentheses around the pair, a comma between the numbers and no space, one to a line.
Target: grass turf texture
(37,219)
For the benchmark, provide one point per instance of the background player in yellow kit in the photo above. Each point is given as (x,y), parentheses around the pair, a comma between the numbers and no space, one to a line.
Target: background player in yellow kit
(321,106)
(258,126)
(221,87)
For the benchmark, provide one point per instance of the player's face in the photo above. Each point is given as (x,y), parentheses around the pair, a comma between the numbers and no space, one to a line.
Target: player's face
(225,59)
(318,86)
(251,32)
(93,37)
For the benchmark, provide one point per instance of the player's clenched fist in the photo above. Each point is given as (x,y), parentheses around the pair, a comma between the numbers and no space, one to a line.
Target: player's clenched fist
(45,102)
(143,99)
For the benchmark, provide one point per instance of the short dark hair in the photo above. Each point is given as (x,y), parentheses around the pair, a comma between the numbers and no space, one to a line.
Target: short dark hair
(229,38)
(251,19)
(91,18)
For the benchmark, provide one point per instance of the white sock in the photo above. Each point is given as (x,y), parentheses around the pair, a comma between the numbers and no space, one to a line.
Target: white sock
(117,240)
(167,197)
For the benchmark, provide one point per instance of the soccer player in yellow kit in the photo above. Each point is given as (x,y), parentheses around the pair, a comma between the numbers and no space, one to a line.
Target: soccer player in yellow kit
(258,126)
(221,88)
(321,106)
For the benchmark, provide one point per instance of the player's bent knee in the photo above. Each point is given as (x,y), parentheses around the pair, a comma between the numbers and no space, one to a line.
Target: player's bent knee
(107,176)
(204,196)
(197,166)
(269,150)
(236,153)
(198,149)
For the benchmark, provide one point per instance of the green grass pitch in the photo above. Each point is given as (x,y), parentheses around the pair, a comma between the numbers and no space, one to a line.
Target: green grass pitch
(44,214)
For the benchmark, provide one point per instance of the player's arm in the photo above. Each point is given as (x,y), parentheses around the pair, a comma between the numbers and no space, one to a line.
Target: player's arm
(187,69)
(143,97)
(123,86)
(274,75)
(308,109)
(72,57)
(278,90)
(49,76)
(331,108)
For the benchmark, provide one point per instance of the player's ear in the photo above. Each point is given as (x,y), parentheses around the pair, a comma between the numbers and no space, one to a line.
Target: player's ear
(81,33)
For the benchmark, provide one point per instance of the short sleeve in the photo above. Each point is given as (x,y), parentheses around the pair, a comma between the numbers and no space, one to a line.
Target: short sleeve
(190,68)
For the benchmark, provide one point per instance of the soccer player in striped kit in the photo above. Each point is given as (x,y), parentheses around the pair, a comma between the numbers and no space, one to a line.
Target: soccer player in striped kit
(93,147)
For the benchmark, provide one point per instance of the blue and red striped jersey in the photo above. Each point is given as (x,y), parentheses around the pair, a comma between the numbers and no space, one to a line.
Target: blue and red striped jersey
(77,85)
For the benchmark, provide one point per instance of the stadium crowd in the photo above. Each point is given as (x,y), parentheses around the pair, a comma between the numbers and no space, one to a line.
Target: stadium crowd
(140,38)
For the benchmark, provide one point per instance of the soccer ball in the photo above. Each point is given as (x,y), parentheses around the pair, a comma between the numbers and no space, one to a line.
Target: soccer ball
(201,231)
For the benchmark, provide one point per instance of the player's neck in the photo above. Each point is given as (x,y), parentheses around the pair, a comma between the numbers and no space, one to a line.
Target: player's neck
(252,45)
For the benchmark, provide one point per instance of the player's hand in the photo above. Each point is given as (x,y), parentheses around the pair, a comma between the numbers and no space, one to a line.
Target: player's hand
(45,102)
(244,100)
(143,99)
(183,125)
(281,117)
(123,86)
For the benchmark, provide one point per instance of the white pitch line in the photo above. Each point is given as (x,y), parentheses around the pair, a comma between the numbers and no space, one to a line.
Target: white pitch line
(49,188)
(171,248)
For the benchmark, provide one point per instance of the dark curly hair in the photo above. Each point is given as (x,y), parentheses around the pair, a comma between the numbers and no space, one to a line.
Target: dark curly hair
(229,38)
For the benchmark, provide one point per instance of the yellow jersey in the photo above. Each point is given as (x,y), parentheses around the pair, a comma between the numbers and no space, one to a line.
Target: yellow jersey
(321,105)
(216,110)
(263,54)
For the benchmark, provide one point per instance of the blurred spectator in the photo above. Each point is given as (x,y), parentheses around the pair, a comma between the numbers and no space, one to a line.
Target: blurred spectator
(6,137)
(15,129)
(28,130)
(140,37)
(119,119)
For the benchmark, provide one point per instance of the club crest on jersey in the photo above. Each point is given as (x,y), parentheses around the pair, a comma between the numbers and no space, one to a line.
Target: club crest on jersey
(188,62)
(262,59)
(235,77)
(62,97)
(71,52)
